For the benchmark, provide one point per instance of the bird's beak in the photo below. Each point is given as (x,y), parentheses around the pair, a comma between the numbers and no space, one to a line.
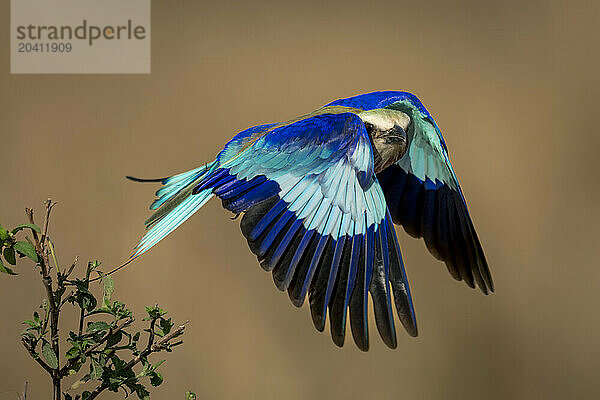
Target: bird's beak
(396,135)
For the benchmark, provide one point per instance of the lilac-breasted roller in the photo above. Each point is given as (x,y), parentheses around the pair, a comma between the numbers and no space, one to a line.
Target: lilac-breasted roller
(320,195)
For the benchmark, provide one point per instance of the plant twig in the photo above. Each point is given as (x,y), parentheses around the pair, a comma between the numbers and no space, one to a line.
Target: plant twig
(162,344)
(29,346)
(49,204)
(112,271)
(71,268)
(40,248)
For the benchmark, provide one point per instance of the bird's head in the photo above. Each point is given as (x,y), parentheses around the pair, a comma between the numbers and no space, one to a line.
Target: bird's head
(387,130)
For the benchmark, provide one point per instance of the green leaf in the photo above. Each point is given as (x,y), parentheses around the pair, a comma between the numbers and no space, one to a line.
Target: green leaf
(97,326)
(83,297)
(96,370)
(156,379)
(31,323)
(189,395)
(154,312)
(9,255)
(73,353)
(30,226)
(49,355)
(99,311)
(6,270)
(26,249)
(165,326)
(3,235)
(142,393)
(114,339)
(88,301)
(92,266)
(109,288)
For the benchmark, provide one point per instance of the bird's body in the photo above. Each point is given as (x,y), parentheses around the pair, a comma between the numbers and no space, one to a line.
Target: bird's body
(319,196)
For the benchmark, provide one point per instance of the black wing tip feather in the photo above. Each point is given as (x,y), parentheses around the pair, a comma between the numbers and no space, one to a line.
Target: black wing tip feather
(337,308)
(318,287)
(414,332)
(318,320)
(303,276)
(405,314)
(358,306)
(400,290)
(384,317)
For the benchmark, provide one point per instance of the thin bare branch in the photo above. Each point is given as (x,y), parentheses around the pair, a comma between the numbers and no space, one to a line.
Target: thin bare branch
(71,268)
(49,204)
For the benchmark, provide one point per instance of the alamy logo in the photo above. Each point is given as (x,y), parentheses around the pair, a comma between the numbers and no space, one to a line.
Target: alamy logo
(80,36)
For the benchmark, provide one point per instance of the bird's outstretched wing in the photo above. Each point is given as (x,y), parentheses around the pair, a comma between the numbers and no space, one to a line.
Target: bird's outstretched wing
(315,215)
(422,191)
(424,196)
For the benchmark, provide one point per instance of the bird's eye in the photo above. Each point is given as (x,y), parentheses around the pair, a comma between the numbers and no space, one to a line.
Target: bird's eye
(370,128)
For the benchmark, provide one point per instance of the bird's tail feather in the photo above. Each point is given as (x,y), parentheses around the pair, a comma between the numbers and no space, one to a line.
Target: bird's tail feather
(174,205)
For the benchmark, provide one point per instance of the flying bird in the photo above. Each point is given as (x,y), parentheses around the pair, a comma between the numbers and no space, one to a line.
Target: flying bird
(320,195)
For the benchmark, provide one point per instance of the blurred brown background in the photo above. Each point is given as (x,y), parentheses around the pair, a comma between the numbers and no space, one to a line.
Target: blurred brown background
(514,87)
